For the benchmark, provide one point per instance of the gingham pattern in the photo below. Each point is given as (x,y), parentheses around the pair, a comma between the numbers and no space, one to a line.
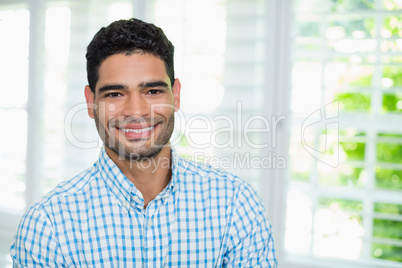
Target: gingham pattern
(203,218)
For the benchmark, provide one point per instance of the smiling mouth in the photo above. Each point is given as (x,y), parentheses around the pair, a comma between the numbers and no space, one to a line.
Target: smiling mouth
(136,133)
(138,130)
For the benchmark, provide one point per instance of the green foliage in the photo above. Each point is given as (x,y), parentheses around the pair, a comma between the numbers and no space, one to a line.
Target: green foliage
(389,153)
(388,208)
(388,179)
(354,150)
(388,59)
(352,177)
(362,81)
(394,25)
(387,229)
(392,4)
(354,101)
(341,203)
(389,135)
(394,73)
(343,5)
(387,252)
(301,176)
(350,26)
(362,102)
(351,132)
(183,141)
(348,176)
(392,103)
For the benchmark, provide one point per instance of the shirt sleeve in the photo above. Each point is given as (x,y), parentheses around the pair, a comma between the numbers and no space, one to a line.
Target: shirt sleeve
(35,244)
(251,242)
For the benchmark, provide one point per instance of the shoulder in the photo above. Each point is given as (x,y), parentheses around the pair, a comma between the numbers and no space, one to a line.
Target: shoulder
(75,188)
(207,175)
(206,172)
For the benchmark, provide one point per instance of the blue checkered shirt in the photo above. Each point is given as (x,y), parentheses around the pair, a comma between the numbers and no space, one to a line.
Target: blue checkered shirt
(203,218)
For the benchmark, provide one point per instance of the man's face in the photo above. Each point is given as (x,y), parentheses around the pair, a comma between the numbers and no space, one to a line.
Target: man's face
(133,105)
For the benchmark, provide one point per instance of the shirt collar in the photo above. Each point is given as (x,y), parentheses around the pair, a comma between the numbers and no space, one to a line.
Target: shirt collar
(123,189)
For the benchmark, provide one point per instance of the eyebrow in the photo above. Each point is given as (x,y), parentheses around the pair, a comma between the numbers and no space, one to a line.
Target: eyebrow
(154,84)
(111,87)
(142,85)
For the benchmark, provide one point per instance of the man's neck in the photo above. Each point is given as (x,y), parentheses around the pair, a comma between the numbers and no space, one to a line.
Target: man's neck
(150,176)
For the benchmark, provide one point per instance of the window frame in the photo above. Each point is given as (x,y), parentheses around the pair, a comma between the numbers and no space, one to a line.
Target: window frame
(372,123)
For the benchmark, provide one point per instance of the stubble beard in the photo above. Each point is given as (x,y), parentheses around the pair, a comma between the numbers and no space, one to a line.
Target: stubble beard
(135,152)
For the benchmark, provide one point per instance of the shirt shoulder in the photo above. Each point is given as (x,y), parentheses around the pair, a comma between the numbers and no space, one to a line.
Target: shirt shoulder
(79,185)
(203,174)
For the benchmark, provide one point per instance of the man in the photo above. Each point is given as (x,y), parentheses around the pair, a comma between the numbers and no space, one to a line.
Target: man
(141,205)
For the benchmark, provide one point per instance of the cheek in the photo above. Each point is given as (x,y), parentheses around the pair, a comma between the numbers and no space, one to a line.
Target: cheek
(111,108)
(165,110)
(105,111)
(165,107)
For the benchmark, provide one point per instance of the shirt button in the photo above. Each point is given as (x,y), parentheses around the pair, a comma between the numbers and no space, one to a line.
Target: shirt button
(149,223)
(136,199)
(125,204)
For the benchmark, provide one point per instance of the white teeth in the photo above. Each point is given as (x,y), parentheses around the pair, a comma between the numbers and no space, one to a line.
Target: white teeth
(142,130)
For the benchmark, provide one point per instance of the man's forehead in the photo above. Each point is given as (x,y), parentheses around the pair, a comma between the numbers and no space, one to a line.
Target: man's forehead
(141,68)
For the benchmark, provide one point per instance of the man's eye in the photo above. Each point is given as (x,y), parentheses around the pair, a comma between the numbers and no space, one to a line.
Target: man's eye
(154,91)
(113,95)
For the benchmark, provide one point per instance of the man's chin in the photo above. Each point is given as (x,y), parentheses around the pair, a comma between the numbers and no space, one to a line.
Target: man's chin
(137,154)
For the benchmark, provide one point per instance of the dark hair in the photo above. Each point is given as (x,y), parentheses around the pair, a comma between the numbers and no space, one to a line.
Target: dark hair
(128,36)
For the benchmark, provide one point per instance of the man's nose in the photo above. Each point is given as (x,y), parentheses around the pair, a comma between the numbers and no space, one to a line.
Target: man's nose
(135,105)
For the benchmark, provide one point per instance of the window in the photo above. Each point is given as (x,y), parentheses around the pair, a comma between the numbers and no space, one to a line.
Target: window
(344,199)
(14,23)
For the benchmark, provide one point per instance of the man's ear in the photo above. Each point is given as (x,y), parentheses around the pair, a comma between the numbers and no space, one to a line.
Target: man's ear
(90,98)
(176,94)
